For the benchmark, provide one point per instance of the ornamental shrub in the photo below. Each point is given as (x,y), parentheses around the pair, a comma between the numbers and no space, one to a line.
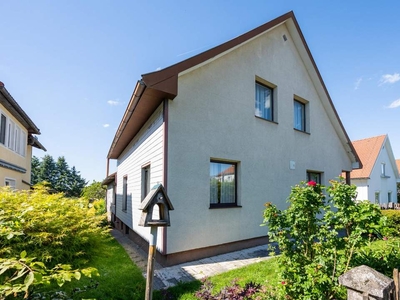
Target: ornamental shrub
(393,221)
(317,236)
(19,229)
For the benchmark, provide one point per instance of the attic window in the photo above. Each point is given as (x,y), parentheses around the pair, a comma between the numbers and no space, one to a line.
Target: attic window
(383,171)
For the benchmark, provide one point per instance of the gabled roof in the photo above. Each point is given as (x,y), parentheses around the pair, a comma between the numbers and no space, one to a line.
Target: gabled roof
(368,150)
(154,87)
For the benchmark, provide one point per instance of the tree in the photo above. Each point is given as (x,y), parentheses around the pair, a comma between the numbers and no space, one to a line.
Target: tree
(94,191)
(59,176)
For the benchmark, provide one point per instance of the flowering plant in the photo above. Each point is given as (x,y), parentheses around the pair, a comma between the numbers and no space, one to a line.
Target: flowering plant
(313,253)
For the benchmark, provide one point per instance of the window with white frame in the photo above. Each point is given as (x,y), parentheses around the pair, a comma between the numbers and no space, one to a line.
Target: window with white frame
(125,193)
(12,136)
(10,182)
(264,104)
(299,115)
(145,181)
(377,197)
(223,184)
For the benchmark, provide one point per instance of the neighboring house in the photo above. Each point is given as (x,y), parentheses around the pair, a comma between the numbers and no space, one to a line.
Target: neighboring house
(255,107)
(110,195)
(16,141)
(376,180)
(398,168)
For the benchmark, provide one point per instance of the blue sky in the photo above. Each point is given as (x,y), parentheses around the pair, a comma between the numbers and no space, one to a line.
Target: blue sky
(72,65)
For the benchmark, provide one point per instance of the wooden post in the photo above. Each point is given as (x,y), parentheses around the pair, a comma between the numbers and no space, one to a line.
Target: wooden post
(396,284)
(150,263)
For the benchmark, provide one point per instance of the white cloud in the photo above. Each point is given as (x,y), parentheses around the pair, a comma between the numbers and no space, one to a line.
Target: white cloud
(357,84)
(387,78)
(158,69)
(113,102)
(106,125)
(394,104)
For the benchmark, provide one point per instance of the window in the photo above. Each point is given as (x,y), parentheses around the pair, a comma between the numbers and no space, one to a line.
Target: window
(223,184)
(125,193)
(12,136)
(389,196)
(264,102)
(314,176)
(3,128)
(10,182)
(145,181)
(299,116)
(377,197)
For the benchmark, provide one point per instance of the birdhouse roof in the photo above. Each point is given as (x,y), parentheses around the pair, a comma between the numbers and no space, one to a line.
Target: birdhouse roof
(151,196)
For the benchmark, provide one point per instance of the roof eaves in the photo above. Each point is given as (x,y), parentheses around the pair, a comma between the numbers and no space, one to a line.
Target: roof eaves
(21,115)
(135,98)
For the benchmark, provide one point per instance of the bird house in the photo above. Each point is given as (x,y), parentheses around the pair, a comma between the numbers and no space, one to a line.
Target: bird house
(155,208)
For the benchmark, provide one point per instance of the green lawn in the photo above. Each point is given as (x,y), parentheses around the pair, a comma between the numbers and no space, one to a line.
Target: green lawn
(121,279)
(263,272)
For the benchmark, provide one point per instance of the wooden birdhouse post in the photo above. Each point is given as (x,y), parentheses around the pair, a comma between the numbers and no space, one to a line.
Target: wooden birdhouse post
(155,213)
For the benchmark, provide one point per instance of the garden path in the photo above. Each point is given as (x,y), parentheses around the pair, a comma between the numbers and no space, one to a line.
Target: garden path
(194,270)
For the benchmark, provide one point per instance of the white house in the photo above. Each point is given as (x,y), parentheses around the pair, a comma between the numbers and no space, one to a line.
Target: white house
(255,106)
(376,180)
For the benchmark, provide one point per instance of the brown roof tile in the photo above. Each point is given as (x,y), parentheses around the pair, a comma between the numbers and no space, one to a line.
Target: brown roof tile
(368,151)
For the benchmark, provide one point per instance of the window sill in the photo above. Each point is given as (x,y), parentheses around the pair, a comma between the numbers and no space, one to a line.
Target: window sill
(385,176)
(270,121)
(298,130)
(124,210)
(217,206)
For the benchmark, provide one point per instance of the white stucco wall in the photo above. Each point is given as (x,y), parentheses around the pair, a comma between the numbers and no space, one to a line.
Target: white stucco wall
(213,116)
(146,148)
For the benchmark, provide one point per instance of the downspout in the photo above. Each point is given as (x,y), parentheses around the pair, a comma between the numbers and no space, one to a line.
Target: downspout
(165,175)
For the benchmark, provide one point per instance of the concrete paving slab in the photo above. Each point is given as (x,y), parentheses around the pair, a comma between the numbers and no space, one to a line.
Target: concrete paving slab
(195,270)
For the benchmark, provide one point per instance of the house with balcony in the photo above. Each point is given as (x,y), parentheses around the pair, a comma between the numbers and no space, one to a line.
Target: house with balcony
(17,137)
(224,132)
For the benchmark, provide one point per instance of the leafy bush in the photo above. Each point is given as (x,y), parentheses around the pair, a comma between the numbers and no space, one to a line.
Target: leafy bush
(55,229)
(94,191)
(393,221)
(19,269)
(313,253)
(383,255)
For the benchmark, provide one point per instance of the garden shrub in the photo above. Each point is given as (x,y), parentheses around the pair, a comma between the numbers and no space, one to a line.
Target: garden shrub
(313,253)
(393,221)
(21,269)
(55,229)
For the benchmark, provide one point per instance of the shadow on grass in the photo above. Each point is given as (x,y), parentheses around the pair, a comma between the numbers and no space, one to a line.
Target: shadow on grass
(181,291)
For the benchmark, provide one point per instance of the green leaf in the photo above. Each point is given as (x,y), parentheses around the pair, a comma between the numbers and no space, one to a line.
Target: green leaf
(23,254)
(38,277)
(29,279)
(77,275)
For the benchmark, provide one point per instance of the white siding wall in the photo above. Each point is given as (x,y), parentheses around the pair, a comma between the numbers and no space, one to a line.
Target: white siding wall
(213,116)
(146,148)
